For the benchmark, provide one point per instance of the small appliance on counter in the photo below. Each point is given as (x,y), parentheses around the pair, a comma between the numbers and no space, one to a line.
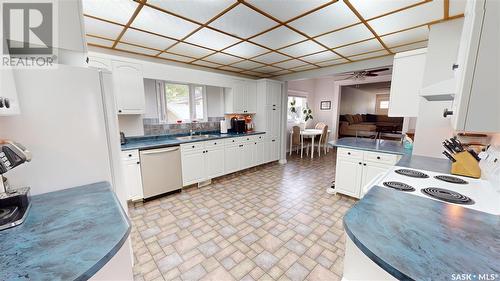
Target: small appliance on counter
(223,127)
(249,123)
(14,203)
(123,139)
(238,125)
(465,161)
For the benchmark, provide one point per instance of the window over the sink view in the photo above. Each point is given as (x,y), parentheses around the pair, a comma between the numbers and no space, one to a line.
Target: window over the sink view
(180,102)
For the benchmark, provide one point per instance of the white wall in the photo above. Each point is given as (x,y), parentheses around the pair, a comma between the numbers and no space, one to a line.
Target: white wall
(324,91)
(354,101)
(151,101)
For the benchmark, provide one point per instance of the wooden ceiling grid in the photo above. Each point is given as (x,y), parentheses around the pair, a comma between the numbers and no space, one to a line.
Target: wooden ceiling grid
(273,67)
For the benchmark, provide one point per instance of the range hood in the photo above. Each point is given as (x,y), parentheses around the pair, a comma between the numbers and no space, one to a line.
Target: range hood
(441,91)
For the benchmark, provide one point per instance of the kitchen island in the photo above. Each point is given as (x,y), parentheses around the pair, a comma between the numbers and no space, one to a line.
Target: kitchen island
(414,238)
(69,234)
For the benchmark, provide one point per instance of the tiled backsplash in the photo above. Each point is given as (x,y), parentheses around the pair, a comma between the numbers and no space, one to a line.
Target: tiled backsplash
(153,127)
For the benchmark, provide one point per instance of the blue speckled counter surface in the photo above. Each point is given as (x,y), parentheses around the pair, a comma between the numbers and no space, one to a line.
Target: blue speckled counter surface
(149,142)
(413,237)
(439,165)
(68,235)
(386,146)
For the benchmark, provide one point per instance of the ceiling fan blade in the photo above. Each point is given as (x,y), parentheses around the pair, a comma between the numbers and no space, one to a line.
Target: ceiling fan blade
(371,74)
(378,70)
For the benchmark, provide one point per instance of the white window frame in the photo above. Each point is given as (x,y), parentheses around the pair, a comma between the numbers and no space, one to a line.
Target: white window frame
(161,102)
(296,94)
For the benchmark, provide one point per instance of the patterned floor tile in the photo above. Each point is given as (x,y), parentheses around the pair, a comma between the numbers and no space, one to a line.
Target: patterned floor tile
(273,222)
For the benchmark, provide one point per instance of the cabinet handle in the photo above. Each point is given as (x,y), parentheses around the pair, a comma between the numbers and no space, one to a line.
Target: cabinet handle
(348,153)
(255,143)
(241,145)
(130,155)
(215,143)
(378,157)
(233,140)
(274,108)
(248,139)
(364,164)
(192,146)
(454,66)
(119,111)
(447,112)
(138,162)
(273,140)
(359,163)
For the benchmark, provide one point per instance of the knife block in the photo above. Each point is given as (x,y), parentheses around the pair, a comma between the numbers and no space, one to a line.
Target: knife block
(466,165)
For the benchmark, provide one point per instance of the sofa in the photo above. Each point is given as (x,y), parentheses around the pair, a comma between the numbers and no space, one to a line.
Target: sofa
(368,124)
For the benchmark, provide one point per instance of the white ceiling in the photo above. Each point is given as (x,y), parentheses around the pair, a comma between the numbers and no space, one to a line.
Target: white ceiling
(264,38)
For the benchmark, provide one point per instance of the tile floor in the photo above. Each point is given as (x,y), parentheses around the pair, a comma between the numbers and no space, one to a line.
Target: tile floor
(273,222)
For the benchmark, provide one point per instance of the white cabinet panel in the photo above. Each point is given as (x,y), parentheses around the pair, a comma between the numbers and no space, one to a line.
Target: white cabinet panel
(407,75)
(242,98)
(247,154)
(348,175)
(100,63)
(215,158)
(370,171)
(259,153)
(251,97)
(132,175)
(232,159)
(193,167)
(128,83)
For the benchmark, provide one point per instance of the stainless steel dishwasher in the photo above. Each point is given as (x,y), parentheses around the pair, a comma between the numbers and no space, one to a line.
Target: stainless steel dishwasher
(161,170)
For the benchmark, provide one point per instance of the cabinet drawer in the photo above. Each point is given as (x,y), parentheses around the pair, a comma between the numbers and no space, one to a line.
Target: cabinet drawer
(231,141)
(214,143)
(383,158)
(349,153)
(130,154)
(248,138)
(192,146)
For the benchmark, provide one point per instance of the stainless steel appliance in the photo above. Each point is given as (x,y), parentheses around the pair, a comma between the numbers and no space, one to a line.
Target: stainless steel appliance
(161,170)
(14,203)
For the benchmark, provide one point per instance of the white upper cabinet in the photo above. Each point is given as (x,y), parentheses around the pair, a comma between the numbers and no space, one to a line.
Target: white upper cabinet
(99,63)
(476,104)
(128,83)
(407,75)
(241,98)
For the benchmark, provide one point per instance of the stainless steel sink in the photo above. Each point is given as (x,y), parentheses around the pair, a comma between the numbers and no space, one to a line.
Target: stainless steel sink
(194,137)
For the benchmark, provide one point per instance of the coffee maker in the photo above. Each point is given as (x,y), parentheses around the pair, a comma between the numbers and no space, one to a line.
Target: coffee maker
(238,126)
(14,203)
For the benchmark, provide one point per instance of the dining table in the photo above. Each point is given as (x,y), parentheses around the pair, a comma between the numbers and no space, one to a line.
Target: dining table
(308,133)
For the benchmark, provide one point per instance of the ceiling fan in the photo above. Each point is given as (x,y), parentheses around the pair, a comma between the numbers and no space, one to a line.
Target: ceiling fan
(362,74)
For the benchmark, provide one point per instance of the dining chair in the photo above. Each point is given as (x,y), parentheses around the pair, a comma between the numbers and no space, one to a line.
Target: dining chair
(323,141)
(295,139)
(319,125)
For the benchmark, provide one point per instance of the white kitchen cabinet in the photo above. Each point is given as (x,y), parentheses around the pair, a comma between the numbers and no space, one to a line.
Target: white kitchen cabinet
(193,166)
(132,174)
(247,155)
(99,63)
(407,74)
(259,153)
(242,98)
(214,162)
(232,158)
(271,150)
(128,82)
(356,168)
(269,116)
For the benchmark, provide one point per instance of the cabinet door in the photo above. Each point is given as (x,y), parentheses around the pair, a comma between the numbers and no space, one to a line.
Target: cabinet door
(251,97)
(239,97)
(275,149)
(193,167)
(129,87)
(232,159)
(273,94)
(100,63)
(246,159)
(259,153)
(370,171)
(348,176)
(215,159)
(133,179)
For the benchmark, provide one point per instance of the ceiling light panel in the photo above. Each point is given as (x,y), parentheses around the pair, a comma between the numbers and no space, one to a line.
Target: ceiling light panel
(102,28)
(409,47)
(369,55)
(457,7)
(136,49)
(415,16)
(323,56)
(293,7)
(359,48)
(304,48)
(405,37)
(211,39)
(222,58)
(332,62)
(246,50)
(330,18)
(189,50)
(206,63)
(243,22)
(99,41)
(271,58)
(175,57)
(290,64)
(247,64)
(267,69)
(146,39)
(282,72)
(198,10)
(305,67)
(345,36)
(278,38)
(230,68)
(369,9)
(116,11)
(162,23)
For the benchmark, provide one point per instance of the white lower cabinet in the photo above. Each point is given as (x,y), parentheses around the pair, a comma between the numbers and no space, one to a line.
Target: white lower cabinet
(271,150)
(247,155)
(132,174)
(232,158)
(193,166)
(356,168)
(214,162)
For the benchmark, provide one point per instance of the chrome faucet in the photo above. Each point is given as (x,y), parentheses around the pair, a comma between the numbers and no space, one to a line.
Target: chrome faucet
(191,132)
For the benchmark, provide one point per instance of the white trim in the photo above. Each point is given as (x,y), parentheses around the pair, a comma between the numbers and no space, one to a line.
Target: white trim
(297,93)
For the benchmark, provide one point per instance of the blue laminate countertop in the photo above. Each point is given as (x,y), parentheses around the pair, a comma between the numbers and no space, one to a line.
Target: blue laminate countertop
(439,165)
(68,235)
(386,146)
(149,142)
(416,238)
